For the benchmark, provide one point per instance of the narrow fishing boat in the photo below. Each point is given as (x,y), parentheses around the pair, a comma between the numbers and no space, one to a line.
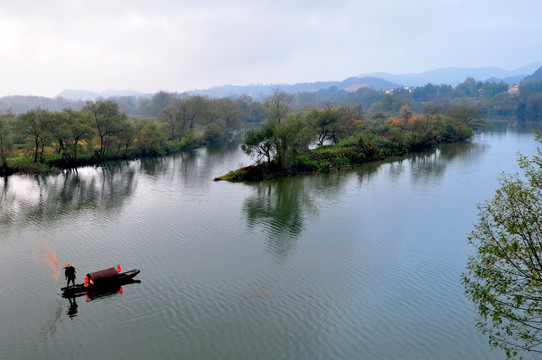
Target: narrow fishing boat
(102,280)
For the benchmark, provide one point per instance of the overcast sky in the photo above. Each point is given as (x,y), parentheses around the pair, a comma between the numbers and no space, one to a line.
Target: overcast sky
(49,46)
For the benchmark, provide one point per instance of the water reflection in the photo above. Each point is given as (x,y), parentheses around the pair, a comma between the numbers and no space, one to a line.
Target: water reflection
(424,166)
(279,207)
(104,293)
(154,166)
(28,200)
(513,125)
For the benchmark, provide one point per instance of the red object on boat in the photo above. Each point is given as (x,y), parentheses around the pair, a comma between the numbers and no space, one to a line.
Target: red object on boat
(118,269)
(103,277)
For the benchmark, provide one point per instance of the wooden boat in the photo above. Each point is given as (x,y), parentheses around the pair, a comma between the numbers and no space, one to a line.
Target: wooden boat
(101,281)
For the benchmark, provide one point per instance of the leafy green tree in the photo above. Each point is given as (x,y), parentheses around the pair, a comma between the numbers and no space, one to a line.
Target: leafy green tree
(533,106)
(215,132)
(159,102)
(469,115)
(259,142)
(79,129)
(431,109)
(504,279)
(6,137)
(183,113)
(256,112)
(282,137)
(291,138)
(470,87)
(125,135)
(329,124)
(152,136)
(59,132)
(231,113)
(527,88)
(35,126)
(503,105)
(107,118)
(425,93)
(365,97)
(169,117)
(390,103)
(195,109)
(490,89)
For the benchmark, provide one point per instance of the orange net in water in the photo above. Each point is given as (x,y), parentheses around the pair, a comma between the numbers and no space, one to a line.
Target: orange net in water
(44,256)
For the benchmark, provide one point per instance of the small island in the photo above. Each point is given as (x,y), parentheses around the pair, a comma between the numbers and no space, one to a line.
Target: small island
(334,138)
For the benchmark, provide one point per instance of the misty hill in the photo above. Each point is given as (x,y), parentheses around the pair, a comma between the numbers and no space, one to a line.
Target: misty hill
(377,81)
(129,99)
(19,104)
(454,76)
(536,76)
(262,91)
(85,95)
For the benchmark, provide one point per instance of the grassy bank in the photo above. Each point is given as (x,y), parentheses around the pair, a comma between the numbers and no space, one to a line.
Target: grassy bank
(378,142)
(54,162)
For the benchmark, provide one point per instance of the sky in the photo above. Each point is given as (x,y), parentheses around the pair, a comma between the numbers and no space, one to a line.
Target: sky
(48,46)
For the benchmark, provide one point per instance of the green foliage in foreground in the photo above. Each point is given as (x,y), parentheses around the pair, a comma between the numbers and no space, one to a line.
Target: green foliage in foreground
(504,279)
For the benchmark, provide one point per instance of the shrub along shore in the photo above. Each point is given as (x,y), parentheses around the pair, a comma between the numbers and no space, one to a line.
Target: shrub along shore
(43,142)
(55,163)
(285,141)
(279,154)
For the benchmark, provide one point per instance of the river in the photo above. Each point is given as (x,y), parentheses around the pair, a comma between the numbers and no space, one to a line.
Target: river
(361,264)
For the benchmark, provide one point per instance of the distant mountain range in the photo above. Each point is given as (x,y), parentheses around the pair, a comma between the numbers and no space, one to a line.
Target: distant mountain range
(381,80)
(92,95)
(536,76)
(261,91)
(453,76)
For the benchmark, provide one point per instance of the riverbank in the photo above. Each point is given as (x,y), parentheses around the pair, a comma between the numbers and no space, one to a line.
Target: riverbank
(55,163)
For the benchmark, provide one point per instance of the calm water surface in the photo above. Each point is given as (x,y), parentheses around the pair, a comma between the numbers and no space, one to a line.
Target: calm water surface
(362,264)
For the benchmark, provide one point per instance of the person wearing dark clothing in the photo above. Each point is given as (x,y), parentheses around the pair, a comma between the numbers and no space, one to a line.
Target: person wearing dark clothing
(69,272)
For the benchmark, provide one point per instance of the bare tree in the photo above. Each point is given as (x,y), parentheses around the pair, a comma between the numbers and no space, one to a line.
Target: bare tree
(278,105)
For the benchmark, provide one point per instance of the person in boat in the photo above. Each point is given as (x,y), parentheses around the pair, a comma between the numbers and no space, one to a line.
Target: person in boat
(69,272)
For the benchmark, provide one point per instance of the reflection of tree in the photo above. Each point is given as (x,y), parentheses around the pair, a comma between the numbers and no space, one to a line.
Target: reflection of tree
(4,196)
(365,171)
(34,199)
(278,206)
(432,165)
(514,126)
(155,166)
(423,166)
